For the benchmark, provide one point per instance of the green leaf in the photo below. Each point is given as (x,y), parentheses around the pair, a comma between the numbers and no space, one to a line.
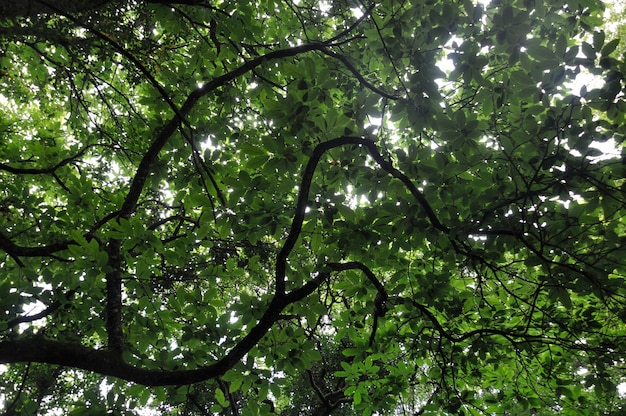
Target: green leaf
(235,385)
(609,47)
(588,50)
(313,196)
(79,238)
(533,260)
(221,399)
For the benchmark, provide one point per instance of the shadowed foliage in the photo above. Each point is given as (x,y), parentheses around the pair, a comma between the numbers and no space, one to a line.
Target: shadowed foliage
(303,207)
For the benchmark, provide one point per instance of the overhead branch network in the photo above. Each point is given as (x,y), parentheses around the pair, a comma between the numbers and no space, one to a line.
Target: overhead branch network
(110,362)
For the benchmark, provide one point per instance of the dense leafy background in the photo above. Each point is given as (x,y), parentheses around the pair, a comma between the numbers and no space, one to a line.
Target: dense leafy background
(312,208)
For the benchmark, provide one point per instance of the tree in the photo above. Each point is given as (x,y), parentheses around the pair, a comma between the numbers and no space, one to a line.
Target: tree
(319,207)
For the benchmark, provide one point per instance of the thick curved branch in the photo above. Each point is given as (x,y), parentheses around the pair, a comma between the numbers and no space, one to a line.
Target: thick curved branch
(168,130)
(305,186)
(111,363)
(114,281)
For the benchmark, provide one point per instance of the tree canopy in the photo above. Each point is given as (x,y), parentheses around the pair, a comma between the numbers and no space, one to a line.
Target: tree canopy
(308,207)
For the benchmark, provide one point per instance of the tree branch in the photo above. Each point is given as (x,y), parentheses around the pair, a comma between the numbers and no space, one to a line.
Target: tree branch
(358,75)
(111,363)
(40,171)
(305,186)
(49,310)
(15,251)
(114,297)
(168,130)
(509,335)
(10,408)
(121,50)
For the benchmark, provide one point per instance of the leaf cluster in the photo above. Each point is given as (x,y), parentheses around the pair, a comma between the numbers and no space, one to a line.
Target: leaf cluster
(312,208)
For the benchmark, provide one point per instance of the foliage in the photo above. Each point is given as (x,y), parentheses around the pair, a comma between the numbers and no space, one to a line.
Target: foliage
(312,207)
